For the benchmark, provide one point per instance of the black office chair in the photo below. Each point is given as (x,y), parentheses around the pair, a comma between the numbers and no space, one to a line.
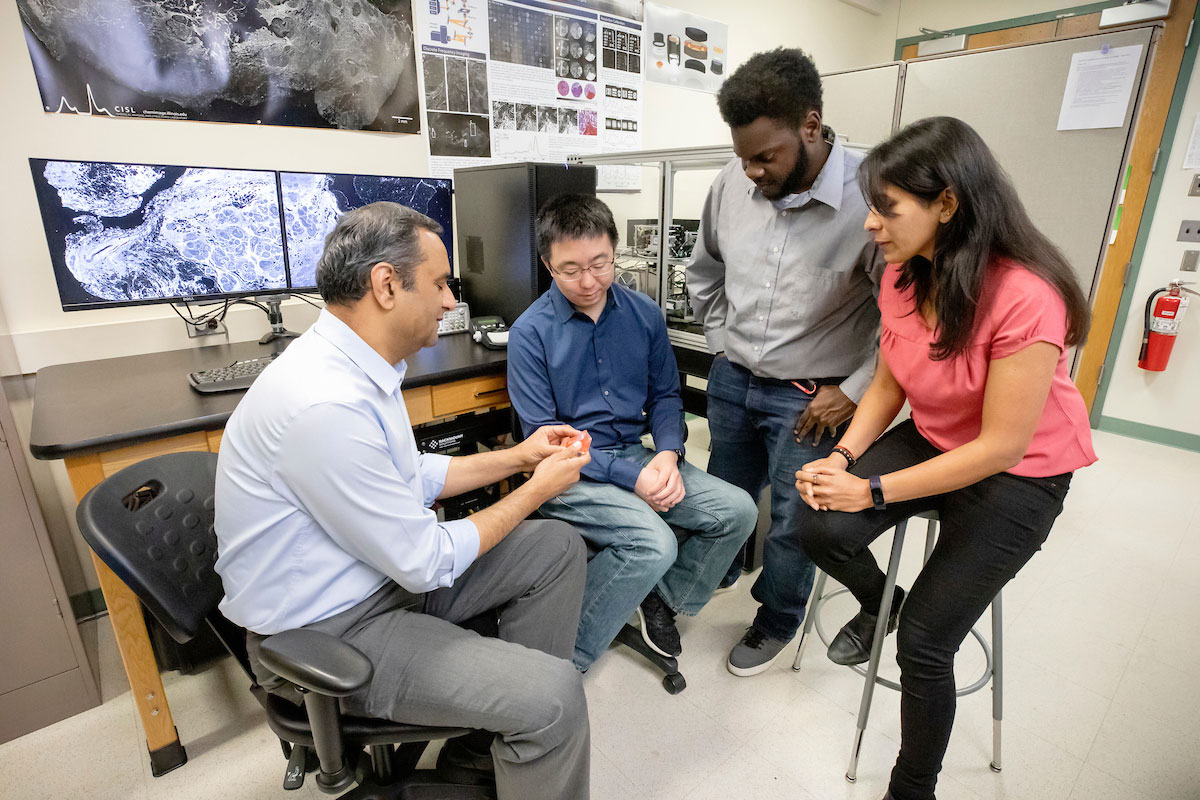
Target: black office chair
(152,524)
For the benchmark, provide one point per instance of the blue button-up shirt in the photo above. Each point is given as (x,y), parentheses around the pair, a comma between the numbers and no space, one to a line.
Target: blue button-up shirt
(615,378)
(322,496)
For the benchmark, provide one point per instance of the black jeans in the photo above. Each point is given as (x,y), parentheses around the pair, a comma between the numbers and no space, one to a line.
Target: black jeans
(989,530)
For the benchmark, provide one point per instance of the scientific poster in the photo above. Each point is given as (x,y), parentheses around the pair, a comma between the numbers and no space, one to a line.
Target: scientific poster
(311,63)
(685,50)
(506,80)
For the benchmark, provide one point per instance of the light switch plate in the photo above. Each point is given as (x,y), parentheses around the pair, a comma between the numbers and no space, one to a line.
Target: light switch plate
(1190,259)
(1194,189)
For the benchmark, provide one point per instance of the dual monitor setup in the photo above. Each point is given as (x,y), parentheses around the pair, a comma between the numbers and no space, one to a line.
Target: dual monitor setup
(136,234)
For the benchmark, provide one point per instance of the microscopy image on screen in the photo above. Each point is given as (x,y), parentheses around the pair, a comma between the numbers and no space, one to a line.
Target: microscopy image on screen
(134,233)
(312,202)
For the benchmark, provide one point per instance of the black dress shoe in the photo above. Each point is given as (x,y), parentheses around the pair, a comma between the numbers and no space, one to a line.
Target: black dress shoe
(852,645)
(463,763)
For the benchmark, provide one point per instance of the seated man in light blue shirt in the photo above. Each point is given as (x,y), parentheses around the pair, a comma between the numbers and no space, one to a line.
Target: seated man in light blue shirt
(595,355)
(323,522)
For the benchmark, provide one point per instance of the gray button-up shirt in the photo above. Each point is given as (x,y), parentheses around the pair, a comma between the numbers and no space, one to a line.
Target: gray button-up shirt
(788,289)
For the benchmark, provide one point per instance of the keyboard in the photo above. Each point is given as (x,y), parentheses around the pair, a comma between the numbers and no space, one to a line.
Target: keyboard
(238,375)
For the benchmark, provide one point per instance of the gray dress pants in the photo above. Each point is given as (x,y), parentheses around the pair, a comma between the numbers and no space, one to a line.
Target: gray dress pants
(522,686)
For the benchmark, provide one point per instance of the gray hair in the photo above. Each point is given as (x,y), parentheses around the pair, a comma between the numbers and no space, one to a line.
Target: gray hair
(362,238)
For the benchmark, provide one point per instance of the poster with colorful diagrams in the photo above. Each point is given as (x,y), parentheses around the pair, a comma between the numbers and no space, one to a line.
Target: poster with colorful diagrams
(530,80)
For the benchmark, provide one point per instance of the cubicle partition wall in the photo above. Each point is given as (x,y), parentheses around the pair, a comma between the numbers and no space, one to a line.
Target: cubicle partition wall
(1068,180)
(863,105)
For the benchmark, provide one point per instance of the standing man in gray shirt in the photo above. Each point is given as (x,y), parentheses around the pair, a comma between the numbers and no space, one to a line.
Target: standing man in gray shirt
(784,279)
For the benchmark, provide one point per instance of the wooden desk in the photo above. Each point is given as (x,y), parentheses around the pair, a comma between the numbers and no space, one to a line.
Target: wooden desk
(102,416)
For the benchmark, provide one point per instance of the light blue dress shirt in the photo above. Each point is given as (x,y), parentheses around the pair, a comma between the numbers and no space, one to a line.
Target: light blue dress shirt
(321,494)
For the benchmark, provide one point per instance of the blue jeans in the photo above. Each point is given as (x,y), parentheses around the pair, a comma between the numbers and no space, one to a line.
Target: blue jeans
(750,422)
(635,549)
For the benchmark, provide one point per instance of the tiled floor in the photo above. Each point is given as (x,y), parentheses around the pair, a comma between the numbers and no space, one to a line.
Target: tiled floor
(1102,662)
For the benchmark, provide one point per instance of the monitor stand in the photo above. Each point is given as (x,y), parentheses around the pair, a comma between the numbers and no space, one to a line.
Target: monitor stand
(275,317)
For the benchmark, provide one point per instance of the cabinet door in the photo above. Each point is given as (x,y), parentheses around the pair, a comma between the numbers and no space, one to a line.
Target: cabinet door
(36,644)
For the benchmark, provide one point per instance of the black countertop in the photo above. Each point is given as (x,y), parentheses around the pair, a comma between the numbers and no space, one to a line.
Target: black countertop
(114,402)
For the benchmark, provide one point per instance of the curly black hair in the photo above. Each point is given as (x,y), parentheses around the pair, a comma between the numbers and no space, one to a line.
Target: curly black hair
(781,84)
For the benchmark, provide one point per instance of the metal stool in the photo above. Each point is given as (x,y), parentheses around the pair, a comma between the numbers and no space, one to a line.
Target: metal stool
(993,670)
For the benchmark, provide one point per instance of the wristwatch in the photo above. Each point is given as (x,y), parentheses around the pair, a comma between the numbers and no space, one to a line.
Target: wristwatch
(877,493)
(680,454)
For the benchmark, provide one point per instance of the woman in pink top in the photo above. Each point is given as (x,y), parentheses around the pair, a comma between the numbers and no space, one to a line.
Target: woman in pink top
(978,311)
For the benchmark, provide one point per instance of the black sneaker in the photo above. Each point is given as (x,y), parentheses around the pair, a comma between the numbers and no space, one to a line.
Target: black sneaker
(460,763)
(658,626)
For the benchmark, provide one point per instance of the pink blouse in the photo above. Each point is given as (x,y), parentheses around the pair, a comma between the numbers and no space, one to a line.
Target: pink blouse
(1017,309)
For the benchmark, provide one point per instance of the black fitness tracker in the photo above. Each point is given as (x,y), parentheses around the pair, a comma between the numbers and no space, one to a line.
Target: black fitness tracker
(877,493)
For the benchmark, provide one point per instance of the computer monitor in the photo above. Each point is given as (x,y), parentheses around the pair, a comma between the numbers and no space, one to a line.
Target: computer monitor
(312,202)
(128,234)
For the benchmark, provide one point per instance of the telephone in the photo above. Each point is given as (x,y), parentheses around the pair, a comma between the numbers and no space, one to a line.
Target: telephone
(456,321)
(491,332)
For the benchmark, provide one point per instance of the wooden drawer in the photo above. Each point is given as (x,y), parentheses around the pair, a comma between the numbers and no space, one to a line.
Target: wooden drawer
(419,403)
(114,461)
(473,394)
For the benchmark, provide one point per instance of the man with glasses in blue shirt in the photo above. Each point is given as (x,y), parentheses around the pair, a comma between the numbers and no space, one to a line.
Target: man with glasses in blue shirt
(595,355)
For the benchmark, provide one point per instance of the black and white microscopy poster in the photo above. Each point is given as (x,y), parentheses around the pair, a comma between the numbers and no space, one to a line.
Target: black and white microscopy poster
(529,80)
(312,63)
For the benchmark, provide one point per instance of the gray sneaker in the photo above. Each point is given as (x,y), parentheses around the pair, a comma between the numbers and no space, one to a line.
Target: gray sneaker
(754,653)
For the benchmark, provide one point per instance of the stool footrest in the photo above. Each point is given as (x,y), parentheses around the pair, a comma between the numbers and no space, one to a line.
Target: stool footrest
(992,672)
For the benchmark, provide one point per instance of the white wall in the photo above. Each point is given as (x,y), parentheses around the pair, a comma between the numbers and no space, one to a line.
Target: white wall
(35,332)
(837,35)
(1163,399)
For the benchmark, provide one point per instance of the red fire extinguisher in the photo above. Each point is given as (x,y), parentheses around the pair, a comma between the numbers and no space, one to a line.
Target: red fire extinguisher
(1164,310)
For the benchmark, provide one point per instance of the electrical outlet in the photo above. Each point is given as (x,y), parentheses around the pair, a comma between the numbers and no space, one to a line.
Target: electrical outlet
(211,328)
(1189,231)
(1190,259)
(1194,189)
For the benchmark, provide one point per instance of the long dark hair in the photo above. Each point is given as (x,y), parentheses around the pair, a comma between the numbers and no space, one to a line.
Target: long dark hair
(937,153)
